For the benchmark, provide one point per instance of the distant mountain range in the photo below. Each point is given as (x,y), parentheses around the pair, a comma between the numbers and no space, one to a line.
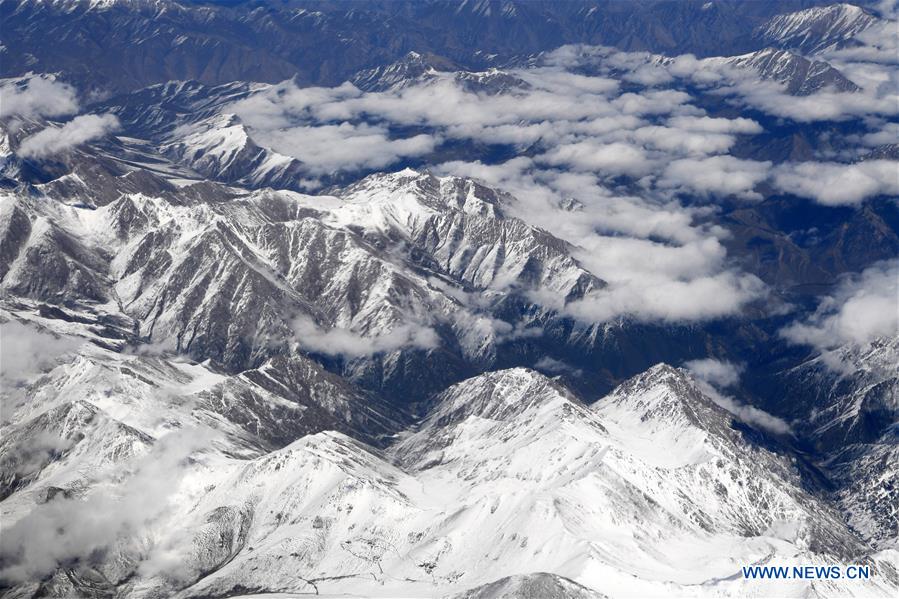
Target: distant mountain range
(327,42)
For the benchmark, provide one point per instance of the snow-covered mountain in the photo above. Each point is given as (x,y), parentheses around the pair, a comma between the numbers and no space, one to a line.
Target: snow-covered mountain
(256,341)
(409,70)
(800,75)
(816,29)
(508,462)
(855,391)
(222,149)
(365,263)
(415,69)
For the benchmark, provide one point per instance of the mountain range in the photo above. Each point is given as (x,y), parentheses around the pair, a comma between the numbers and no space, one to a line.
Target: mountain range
(478,299)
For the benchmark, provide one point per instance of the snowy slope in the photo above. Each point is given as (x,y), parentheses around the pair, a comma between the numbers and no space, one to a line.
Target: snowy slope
(530,586)
(221,148)
(816,29)
(510,474)
(396,273)
(800,75)
(855,389)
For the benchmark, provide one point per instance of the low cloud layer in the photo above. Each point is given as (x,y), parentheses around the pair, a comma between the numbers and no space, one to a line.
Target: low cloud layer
(26,351)
(716,175)
(834,184)
(37,96)
(113,515)
(658,264)
(713,376)
(862,308)
(346,343)
(55,140)
(603,158)
(720,373)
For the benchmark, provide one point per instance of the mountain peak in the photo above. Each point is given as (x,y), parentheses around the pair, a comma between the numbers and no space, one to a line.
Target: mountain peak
(497,395)
(407,197)
(801,75)
(412,68)
(816,29)
(517,406)
(665,401)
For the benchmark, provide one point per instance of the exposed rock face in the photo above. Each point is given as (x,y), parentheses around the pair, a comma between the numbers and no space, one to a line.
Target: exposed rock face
(855,389)
(226,279)
(816,29)
(508,462)
(226,370)
(800,75)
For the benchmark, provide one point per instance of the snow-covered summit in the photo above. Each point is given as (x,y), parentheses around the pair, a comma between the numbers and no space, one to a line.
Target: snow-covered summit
(499,396)
(661,399)
(800,75)
(816,29)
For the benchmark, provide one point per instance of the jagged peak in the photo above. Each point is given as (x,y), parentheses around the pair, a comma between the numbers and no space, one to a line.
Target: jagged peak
(336,448)
(801,75)
(659,375)
(843,12)
(879,356)
(424,183)
(663,395)
(409,194)
(817,28)
(101,5)
(411,68)
(497,395)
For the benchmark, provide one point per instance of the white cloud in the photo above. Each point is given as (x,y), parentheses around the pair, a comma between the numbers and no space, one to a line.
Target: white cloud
(824,105)
(746,413)
(54,140)
(71,530)
(712,375)
(36,450)
(344,342)
(614,158)
(37,96)
(717,372)
(344,128)
(678,275)
(861,308)
(834,184)
(646,297)
(553,366)
(870,65)
(331,148)
(888,133)
(715,125)
(718,175)
(26,351)
(583,134)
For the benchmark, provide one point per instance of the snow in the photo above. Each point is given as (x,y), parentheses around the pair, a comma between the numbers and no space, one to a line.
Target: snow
(817,29)
(508,475)
(650,492)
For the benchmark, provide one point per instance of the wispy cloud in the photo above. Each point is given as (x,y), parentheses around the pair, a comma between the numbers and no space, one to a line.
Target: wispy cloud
(835,184)
(861,308)
(713,376)
(26,350)
(72,531)
(37,96)
(344,342)
(55,140)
